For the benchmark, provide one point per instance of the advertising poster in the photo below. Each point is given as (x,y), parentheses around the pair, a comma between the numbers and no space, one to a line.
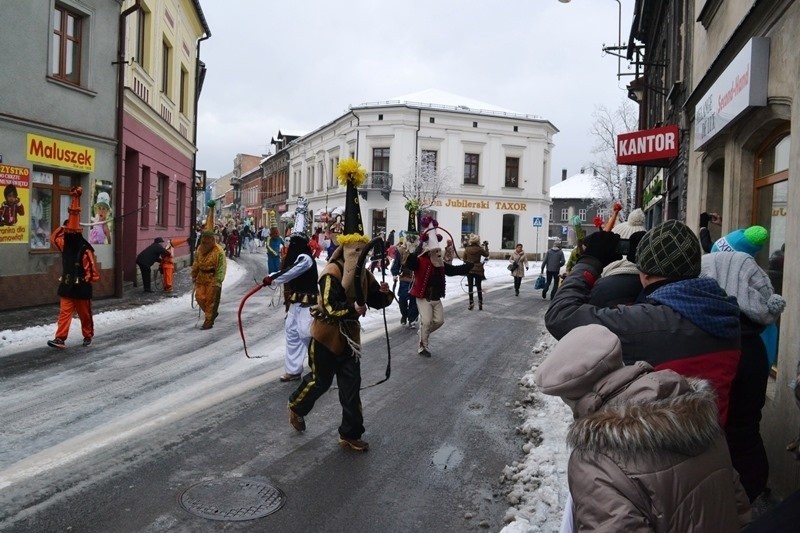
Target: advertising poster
(102,219)
(14,220)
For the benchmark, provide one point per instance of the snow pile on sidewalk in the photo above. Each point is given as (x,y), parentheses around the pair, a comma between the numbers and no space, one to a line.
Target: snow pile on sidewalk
(539,483)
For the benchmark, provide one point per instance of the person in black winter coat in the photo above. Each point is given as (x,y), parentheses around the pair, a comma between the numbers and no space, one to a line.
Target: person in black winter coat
(552,263)
(619,284)
(148,257)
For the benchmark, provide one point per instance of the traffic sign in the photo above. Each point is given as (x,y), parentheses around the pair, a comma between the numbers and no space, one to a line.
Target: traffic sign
(537,222)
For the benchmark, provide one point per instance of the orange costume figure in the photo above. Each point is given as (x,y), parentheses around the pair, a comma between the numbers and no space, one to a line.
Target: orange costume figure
(79,271)
(208,271)
(167,267)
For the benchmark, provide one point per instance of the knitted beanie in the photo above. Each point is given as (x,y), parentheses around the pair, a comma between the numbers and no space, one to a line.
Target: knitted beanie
(748,240)
(740,276)
(634,223)
(671,250)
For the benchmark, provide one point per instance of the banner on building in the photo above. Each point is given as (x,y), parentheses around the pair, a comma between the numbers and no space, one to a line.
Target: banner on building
(649,148)
(102,219)
(15,209)
(58,153)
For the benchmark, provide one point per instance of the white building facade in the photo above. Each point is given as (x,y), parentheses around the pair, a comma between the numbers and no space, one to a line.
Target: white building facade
(495,163)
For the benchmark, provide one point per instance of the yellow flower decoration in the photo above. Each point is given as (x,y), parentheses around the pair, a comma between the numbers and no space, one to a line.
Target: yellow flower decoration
(352,238)
(349,171)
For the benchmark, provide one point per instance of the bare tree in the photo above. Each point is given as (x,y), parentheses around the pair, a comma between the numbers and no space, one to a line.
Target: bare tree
(617,183)
(425,181)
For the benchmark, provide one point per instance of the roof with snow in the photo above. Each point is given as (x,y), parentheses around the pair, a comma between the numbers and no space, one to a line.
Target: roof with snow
(438,99)
(581,186)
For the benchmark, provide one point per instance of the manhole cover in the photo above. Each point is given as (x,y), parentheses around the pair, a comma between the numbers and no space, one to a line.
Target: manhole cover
(232,499)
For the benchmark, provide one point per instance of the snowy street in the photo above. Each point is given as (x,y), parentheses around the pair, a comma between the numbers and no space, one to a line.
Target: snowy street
(109,437)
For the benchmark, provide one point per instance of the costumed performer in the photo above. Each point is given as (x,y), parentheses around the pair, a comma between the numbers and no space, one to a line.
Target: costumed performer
(409,314)
(335,348)
(208,271)
(299,279)
(78,272)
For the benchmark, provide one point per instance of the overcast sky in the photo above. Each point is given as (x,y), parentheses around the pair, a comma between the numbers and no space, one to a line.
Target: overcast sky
(298,65)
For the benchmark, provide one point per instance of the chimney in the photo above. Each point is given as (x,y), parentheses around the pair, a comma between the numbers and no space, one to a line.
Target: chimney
(582,169)
(563,174)
(594,172)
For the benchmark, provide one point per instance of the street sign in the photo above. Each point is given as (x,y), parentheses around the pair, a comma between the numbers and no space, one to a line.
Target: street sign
(564,229)
(537,222)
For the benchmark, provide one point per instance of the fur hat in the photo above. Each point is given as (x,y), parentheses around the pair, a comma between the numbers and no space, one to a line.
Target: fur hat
(748,240)
(579,360)
(635,223)
(301,219)
(671,250)
(474,239)
(740,276)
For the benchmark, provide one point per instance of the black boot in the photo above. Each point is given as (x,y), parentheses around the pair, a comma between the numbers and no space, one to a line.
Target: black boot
(471,303)
(480,305)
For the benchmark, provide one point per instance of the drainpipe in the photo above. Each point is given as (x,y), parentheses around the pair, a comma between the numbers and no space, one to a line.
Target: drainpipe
(416,136)
(197,80)
(118,204)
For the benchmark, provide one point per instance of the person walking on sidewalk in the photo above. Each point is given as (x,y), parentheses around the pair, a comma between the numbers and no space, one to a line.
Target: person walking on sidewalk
(299,279)
(551,264)
(335,348)
(274,244)
(208,271)
(78,272)
(147,258)
(409,314)
(474,252)
(520,264)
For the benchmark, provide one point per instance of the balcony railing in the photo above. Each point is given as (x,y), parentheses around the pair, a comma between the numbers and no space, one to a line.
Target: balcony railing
(377,181)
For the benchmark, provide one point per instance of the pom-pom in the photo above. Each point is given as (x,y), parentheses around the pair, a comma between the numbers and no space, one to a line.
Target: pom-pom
(349,171)
(424,237)
(439,237)
(756,235)
(775,304)
(211,203)
(435,223)
(426,221)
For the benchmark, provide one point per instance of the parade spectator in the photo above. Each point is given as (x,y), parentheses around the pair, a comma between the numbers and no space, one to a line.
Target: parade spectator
(78,272)
(647,452)
(274,245)
(167,267)
(474,252)
(551,266)
(233,243)
(740,276)
(705,236)
(147,258)
(682,322)
(520,264)
(449,252)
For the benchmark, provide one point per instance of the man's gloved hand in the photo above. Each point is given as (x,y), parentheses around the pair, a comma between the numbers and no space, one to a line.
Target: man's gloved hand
(602,246)
(267,281)
(704,219)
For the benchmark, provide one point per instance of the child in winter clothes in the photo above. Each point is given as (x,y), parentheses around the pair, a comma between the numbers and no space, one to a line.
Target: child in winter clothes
(647,452)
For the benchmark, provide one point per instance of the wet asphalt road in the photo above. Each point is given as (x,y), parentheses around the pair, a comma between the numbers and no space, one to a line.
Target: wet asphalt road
(110,439)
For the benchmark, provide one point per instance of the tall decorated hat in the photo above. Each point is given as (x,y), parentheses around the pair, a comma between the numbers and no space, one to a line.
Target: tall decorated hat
(301,219)
(412,206)
(74,209)
(350,174)
(273,223)
(208,229)
(430,237)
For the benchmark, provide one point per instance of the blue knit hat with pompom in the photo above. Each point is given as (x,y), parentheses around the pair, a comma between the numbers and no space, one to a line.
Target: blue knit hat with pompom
(748,240)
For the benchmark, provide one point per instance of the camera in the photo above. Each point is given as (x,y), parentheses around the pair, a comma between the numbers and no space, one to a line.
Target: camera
(623,247)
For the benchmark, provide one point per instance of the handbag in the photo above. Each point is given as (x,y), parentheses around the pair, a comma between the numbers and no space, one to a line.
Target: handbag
(512,267)
(540,281)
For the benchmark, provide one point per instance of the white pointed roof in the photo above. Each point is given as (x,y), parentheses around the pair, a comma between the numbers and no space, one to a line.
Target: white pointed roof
(579,186)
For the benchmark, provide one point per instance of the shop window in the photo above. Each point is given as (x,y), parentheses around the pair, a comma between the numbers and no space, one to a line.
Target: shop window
(67,43)
(509,231)
(50,198)
(771,207)
(469,224)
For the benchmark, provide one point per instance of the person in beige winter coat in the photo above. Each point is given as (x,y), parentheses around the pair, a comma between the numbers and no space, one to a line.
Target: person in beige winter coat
(520,264)
(474,251)
(647,451)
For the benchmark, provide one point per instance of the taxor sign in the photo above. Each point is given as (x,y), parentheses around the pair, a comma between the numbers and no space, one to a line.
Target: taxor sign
(652,148)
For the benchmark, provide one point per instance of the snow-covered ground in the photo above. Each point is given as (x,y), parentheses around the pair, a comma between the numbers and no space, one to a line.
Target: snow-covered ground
(538,483)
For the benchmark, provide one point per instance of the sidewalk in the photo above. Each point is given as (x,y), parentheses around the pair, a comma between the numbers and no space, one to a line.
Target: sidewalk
(44,315)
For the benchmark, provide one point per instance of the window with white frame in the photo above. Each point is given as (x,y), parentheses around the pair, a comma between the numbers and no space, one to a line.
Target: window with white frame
(582,213)
(68,40)
(471,167)
(564,214)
